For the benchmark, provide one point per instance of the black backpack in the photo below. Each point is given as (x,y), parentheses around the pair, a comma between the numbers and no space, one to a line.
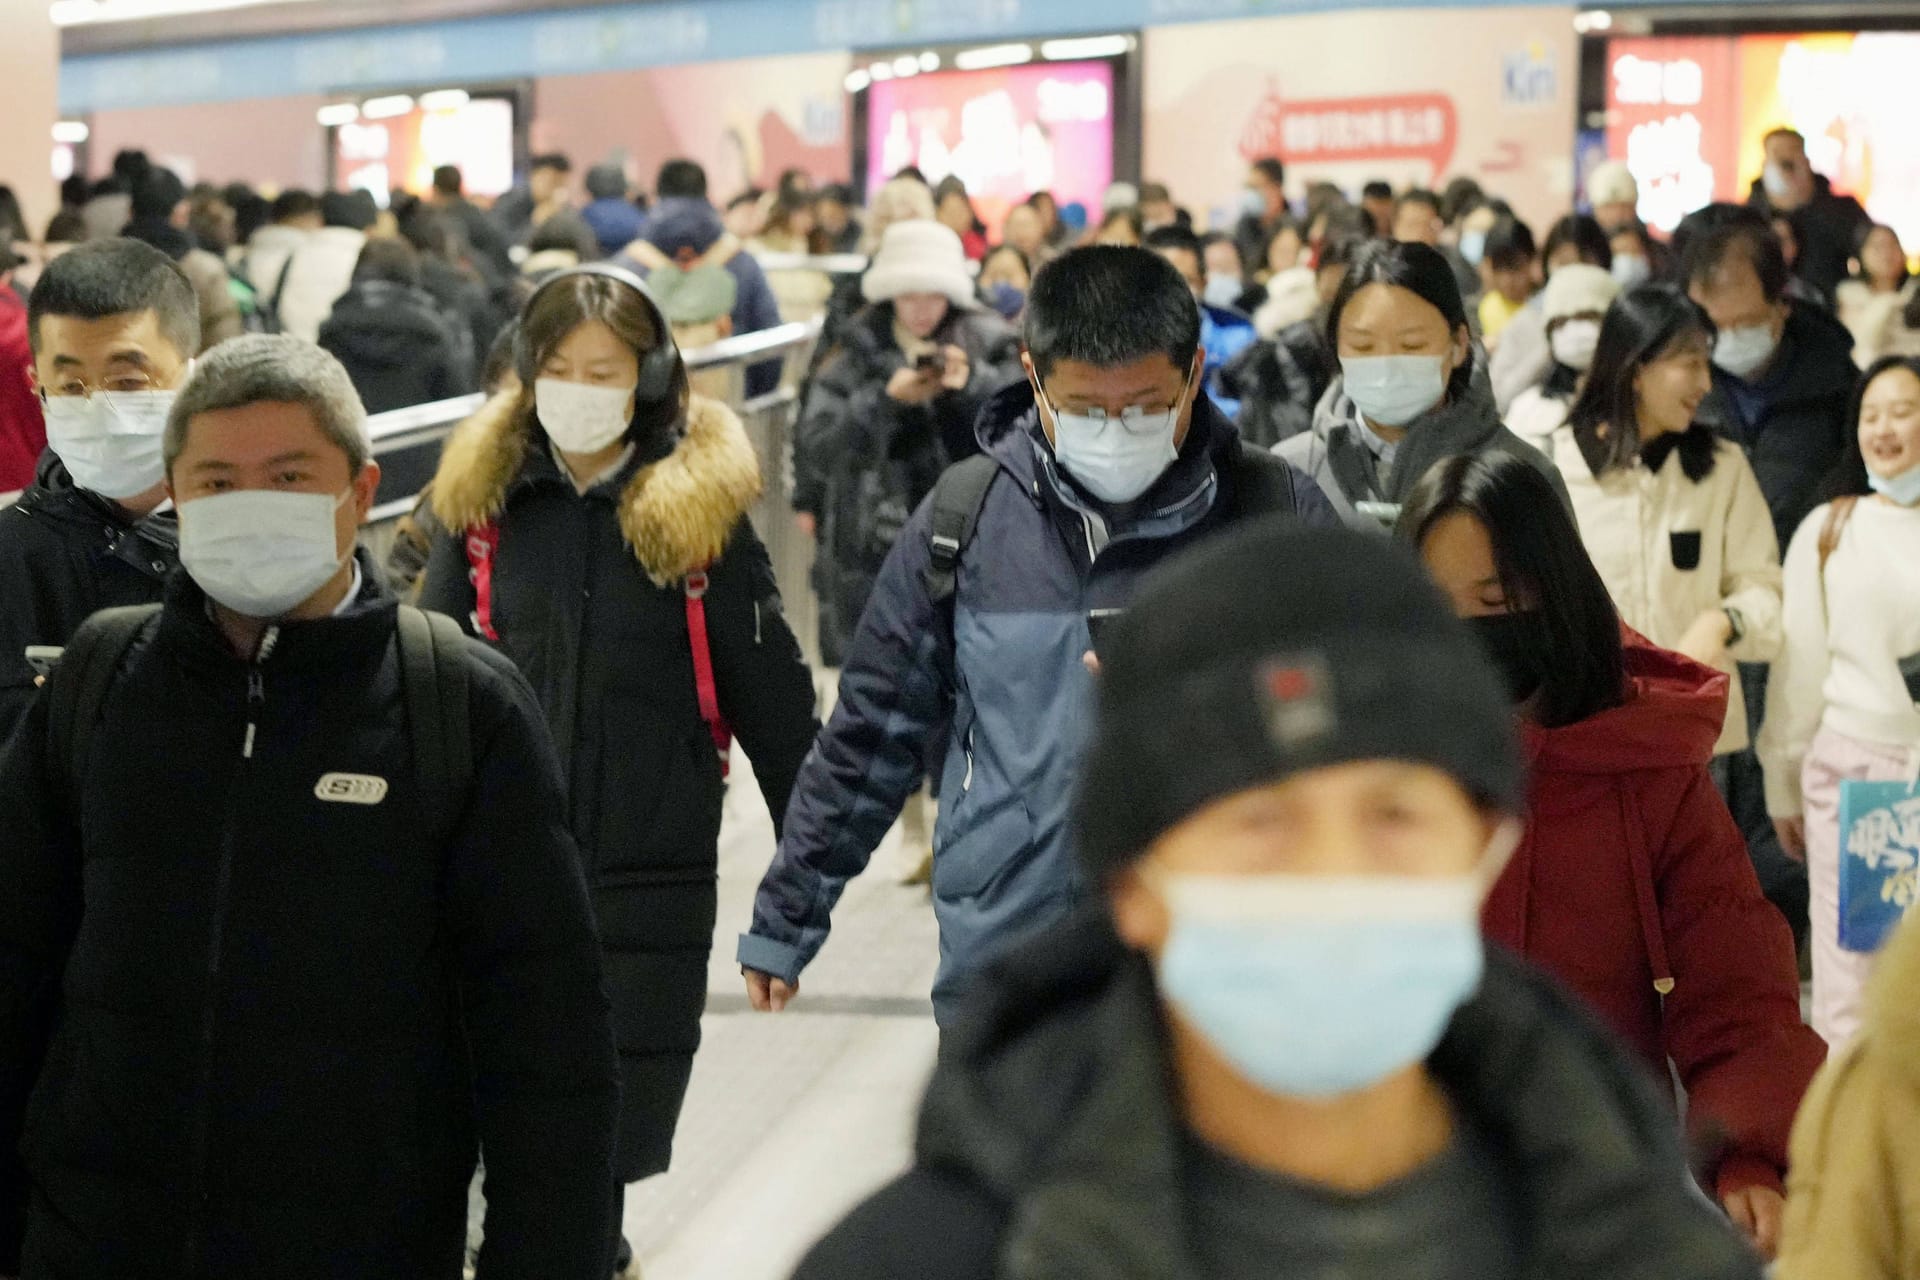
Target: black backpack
(433,677)
(1262,485)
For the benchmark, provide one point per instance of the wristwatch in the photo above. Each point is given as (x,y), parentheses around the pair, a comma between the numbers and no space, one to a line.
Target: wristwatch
(1736,627)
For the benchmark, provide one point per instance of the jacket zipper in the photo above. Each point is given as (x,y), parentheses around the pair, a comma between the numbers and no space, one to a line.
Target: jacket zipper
(216,945)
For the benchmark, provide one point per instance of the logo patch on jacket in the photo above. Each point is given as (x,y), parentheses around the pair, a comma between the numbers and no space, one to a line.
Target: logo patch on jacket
(350,788)
(1298,693)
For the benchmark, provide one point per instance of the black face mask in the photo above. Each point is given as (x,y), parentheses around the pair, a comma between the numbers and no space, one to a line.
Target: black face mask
(1517,645)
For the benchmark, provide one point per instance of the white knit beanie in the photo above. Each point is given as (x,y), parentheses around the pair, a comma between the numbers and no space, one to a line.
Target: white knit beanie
(1612,183)
(1577,289)
(920,256)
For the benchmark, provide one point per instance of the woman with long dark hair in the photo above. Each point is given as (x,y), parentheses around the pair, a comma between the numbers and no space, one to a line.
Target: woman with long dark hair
(598,535)
(1843,703)
(1632,884)
(1670,512)
(1412,388)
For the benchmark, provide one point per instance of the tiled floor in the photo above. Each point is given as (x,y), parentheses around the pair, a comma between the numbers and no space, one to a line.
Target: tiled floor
(792,1118)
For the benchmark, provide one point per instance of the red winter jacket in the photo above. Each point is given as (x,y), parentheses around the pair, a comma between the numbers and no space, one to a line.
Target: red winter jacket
(1633,881)
(22,433)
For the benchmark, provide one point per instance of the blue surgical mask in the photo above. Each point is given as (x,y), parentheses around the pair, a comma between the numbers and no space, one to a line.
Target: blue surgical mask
(1316,986)
(1117,459)
(1007,298)
(1222,291)
(1744,352)
(1391,391)
(1630,269)
(1473,247)
(1903,489)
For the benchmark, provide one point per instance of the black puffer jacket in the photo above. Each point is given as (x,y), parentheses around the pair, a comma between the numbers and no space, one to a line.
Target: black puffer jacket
(66,554)
(397,346)
(1049,1145)
(863,461)
(1278,381)
(1803,432)
(588,599)
(282,1022)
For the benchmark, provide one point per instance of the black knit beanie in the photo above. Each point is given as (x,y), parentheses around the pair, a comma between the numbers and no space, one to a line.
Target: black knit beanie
(1273,650)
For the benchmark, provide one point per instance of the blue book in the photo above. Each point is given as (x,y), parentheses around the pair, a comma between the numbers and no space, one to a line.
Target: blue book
(1879,860)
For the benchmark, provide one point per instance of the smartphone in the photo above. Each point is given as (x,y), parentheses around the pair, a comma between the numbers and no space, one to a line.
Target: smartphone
(933,363)
(1098,622)
(43,658)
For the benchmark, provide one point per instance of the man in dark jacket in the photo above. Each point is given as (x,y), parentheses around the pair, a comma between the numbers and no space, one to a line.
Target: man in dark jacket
(1279,1046)
(396,344)
(160,219)
(1827,226)
(114,325)
(482,236)
(685,227)
(1783,376)
(1110,459)
(616,221)
(1263,206)
(299,972)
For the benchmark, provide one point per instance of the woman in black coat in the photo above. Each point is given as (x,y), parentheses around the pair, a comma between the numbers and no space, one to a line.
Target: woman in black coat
(599,518)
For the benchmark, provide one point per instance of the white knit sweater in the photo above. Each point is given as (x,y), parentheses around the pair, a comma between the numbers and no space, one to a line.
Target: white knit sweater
(1845,641)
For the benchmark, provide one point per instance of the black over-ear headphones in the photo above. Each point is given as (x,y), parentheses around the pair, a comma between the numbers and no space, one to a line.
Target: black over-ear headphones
(657,367)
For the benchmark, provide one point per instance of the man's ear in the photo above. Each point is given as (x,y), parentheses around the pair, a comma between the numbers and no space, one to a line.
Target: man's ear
(365,486)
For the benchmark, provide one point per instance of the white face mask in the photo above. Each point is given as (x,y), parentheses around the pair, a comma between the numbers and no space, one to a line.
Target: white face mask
(1575,342)
(580,418)
(1394,390)
(1222,291)
(261,552)
(1774,178)
(1744,352)
(1117,459)
(1630,269)
(111,442)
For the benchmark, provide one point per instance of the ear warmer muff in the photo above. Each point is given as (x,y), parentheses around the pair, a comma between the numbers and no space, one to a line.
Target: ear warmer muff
(657,367)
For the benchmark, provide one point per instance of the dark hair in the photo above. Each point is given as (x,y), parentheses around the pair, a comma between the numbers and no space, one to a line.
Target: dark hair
(1026,263)
(1864,234)
(111,185)
(1510,245)
(447,180)
(1783,132)
(835,193)
(73,191)
(1463,195)
(1539,556)
(394,261)
(607,182)
(130,165)
(551,160)
(1707,238)
(561,306)
(914,172)
(1129,215)
(1849,477)
(1270,168)
(354,210)
(1587,237)
(1421,270)
(66,227)
(681,178)
(295,203)
(116,278)
(13,223)
(566,231)
(157,193)
(1377,190)
(500,358)
(212,223)
(1642,325)
(794,183)
(250,213)
(1419,196)
(1109,305)
(1281,227)
(429,231)
(1155,193)
(783,211)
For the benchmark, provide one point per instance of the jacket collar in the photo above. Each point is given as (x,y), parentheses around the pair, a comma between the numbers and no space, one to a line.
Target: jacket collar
(1051,1092)
(676,511)
(55,496)
(353,638)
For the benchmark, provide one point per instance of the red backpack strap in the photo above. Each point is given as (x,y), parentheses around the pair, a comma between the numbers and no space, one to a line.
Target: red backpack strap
(705,687)
(483,548)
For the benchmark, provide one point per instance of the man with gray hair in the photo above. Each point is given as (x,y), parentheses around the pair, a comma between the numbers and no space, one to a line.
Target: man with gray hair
(293,921)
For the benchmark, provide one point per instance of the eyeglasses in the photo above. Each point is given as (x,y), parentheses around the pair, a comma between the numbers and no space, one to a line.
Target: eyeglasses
(115,384)
(1136,419)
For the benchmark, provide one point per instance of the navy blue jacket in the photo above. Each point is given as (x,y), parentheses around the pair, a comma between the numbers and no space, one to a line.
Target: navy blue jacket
(684,222)
(1004,673)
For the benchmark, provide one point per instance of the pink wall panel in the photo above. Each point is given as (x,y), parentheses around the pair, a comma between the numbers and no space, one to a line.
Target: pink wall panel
(273,141)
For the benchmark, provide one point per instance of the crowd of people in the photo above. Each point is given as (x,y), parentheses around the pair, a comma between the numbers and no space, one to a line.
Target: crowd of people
(1274,616)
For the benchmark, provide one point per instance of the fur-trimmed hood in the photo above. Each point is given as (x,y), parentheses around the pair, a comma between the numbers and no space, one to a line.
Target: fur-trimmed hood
(676,514)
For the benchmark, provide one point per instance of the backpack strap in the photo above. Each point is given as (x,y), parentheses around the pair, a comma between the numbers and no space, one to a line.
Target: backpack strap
(706,689)
(77,692)
(1263,484)
(434,682)
(958,498)
(1838,514)
(483,547)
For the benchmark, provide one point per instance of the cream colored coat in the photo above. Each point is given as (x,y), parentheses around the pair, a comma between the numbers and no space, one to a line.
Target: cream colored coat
(1629,521)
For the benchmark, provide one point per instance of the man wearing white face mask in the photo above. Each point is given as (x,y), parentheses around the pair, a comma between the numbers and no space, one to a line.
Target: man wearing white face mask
(1273,1043)
(114,326)
(297,863)
(1574,303)
(1105,462)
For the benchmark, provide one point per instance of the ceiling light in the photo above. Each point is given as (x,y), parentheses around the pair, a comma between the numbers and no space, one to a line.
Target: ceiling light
(858,81)
(75,13)
(1597,20)
(929,61)
(880,71)
(385,108)
(906,65)
(335,114)
(993,55)
(1089,47)
(73,132)
(445,100)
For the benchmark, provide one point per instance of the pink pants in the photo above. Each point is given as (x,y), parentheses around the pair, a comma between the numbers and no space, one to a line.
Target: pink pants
(1838,975)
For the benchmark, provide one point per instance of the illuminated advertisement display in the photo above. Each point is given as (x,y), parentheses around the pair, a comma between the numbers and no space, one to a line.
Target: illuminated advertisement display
(400,153)
(1688,115)
(1006,132)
